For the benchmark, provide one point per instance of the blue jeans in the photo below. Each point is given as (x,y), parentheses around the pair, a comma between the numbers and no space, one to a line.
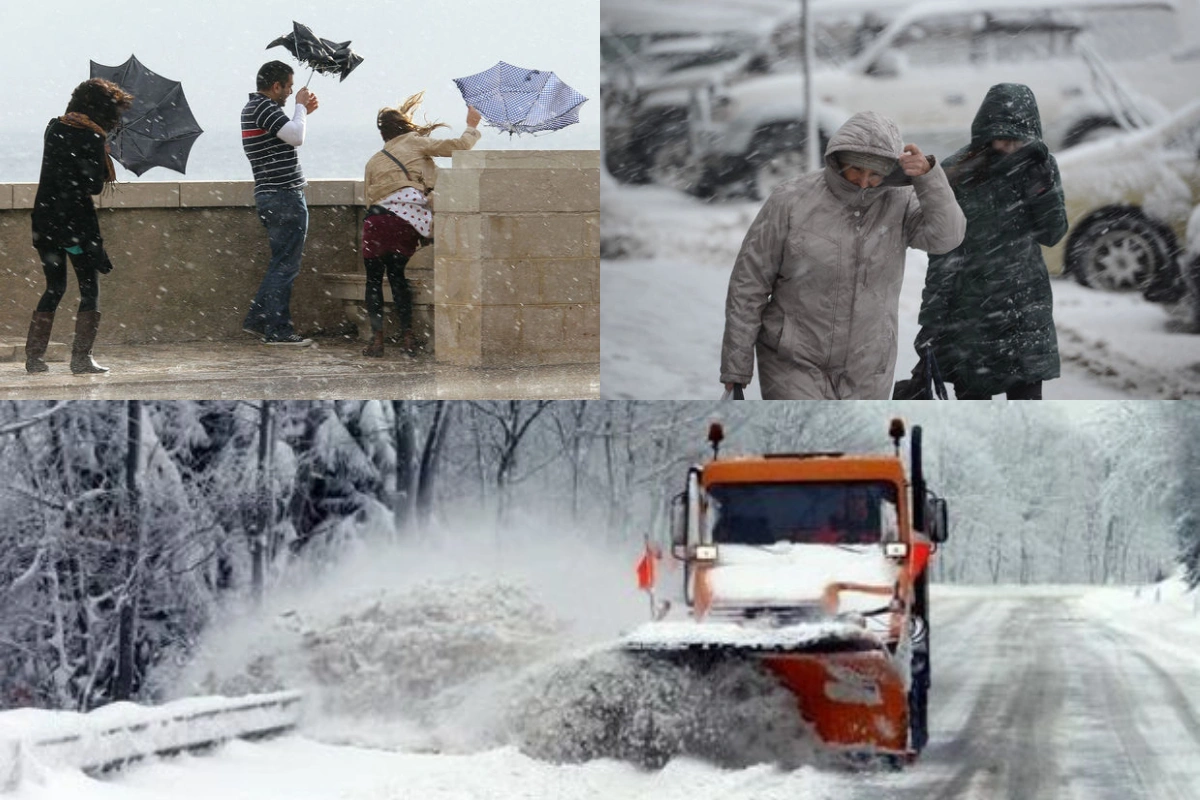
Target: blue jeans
(285,216)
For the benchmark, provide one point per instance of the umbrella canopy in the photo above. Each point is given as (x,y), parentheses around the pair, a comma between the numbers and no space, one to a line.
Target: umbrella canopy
(322,55)
(521,100)
(159,129)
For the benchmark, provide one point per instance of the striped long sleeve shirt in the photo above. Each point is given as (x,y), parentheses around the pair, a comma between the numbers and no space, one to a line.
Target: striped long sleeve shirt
(274,162)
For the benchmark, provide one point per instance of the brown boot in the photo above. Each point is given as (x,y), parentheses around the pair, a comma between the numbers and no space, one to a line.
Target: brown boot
(37,340)
(409,343)
(87,323)
(375,348)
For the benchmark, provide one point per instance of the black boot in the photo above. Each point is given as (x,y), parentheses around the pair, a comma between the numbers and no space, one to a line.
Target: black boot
(37,340)
(375,348)
(86,325)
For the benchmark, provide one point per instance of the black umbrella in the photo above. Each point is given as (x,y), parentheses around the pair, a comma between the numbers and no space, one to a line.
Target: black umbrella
(322,55)
(159,129)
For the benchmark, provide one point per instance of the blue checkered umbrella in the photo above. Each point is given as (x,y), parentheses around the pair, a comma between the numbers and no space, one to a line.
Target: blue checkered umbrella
(521,100)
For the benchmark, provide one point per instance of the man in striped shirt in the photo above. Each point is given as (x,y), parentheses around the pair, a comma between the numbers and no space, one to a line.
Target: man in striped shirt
(270,140)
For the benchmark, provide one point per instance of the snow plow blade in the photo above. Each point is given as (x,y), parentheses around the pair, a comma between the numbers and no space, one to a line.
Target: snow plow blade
(846,684)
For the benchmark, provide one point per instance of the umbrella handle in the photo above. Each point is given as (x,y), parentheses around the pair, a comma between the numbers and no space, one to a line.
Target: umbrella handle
(310,77)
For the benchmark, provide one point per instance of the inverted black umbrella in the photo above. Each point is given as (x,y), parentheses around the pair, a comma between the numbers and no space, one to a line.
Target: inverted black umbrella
(159,129)
(324,56)
(521,100)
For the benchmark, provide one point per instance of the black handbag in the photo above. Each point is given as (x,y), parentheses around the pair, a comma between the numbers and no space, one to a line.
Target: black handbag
(926,382)
(735,393)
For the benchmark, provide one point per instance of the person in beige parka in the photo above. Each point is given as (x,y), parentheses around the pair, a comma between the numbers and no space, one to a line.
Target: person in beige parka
(815,289)
(400,180)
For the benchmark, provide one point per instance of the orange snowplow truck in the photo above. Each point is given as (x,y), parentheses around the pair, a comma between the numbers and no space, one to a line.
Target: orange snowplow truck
(816,564)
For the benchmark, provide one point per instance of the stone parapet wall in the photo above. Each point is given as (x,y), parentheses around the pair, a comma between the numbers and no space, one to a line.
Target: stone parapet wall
(188,258)
(513,280)
(517,259)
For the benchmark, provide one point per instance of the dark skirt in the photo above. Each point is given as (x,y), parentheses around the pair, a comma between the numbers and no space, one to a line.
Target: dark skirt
(387,233)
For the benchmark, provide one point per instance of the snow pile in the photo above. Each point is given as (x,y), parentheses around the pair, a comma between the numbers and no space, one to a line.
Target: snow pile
(402,660)
(647,709)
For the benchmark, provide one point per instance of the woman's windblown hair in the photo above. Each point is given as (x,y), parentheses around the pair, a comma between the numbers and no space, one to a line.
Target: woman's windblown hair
(393,122)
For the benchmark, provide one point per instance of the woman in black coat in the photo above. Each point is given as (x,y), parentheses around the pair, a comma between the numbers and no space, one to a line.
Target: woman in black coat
(987,308)
(75,166)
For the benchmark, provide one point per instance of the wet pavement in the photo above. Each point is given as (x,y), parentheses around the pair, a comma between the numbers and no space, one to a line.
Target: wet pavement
(334,368)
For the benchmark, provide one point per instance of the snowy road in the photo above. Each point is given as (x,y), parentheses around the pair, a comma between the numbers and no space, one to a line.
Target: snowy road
(662,312)
(1058,693)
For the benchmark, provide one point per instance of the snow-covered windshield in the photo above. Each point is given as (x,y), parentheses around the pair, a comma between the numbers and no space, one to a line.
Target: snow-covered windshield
(824,513)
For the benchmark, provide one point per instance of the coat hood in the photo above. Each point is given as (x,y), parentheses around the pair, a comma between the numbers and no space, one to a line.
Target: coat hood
(866,132)
(1009,111)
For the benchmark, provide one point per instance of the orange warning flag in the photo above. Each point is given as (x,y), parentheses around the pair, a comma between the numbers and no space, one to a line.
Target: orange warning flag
(920,557)
(646,569)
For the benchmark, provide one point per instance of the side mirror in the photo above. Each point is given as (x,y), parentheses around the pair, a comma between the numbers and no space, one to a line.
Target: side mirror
(939,520)
(678,515)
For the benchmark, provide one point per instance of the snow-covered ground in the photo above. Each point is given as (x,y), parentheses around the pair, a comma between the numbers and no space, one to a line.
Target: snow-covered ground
(1059,692)
(662,311)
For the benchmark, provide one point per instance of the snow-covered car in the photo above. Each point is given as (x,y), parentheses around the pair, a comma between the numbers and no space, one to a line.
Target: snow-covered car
(650,109)
(1128,201)
(932,64)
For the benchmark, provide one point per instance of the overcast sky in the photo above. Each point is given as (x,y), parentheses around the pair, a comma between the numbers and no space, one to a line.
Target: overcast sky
(216,46)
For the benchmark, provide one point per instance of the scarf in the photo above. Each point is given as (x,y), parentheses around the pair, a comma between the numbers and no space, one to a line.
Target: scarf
(78,120)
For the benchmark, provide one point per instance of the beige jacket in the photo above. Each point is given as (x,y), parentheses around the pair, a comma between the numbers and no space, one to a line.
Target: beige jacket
(815,289)
(416,152)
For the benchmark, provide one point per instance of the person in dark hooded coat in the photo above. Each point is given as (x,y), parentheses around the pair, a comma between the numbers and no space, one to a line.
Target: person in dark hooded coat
(75,166)
(987,308)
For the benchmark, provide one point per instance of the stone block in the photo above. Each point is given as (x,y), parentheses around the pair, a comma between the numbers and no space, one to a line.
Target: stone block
(457,281)
(216,194)
(330,193)
(458,235)
(457,337)
(140,195)
(534,236)
(527,159)
(6,196)
(581,330)
(572,280)
(543,327)
(501,330)
(457,191)
(509,282)
(591,236)
(23,195)
(538,190)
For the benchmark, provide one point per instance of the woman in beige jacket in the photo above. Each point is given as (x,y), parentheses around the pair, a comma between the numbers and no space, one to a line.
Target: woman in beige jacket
(399,181)
(815,290)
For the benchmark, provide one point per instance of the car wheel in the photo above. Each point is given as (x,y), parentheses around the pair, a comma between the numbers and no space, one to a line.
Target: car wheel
(1117,249)
(777,168)
(626,165)
(1191,275)
(674,166)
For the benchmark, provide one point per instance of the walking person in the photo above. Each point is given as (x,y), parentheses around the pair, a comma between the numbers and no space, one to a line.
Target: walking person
(75,166)
(987,308)
(400,180)
(815,290)
(270,140)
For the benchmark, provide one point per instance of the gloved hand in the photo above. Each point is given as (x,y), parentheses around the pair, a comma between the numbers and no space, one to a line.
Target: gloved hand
(1034,161)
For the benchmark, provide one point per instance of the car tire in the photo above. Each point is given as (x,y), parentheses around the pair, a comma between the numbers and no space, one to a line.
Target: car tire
(1119,248)
(778,155)
(674,165)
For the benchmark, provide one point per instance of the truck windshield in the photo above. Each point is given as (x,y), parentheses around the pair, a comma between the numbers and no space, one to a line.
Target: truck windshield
(812,513)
